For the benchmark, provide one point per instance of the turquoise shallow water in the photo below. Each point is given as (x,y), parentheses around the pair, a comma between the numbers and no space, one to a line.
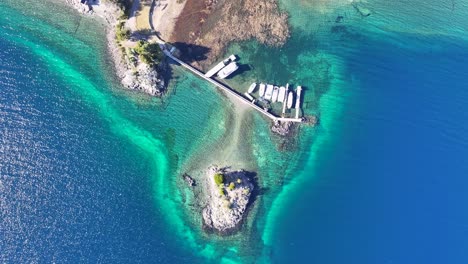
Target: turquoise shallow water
(90,171)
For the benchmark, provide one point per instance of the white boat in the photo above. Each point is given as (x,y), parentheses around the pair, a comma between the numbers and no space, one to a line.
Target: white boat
(252,88)
(282,94)
(290,99)
(248,96)
(261,90)
(269,92)
(298,100)
(274,97)
(218,67)
(228,70)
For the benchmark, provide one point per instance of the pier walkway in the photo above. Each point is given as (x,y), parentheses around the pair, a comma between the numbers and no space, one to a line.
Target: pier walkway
(229,90)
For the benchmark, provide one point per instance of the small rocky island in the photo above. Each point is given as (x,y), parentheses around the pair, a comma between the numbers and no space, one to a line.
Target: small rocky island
(228,195)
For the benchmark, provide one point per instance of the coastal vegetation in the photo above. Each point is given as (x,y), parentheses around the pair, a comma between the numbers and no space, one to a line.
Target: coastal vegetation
(149,53)
(219,181)
(218,178)
(121,32)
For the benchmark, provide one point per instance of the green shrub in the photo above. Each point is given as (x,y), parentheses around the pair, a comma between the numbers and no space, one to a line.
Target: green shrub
(149,53)
(232,186)
(219,178)
(221,191)
(121,32)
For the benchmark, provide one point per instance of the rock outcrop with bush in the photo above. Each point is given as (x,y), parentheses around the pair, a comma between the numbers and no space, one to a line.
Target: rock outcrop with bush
(229,193)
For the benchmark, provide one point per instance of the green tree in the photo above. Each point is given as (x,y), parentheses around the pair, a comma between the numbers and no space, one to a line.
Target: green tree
(149,53)
(121,32)
(232,186)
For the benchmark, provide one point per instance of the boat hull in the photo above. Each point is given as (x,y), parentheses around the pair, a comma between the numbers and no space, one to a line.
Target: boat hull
(261,90)
(228,70)
(269,92)
(281,94)
(252,88)
(290,100)
(274,96)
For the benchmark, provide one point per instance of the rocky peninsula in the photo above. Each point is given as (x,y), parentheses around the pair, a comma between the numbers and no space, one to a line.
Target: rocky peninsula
(138,60)
(228,194)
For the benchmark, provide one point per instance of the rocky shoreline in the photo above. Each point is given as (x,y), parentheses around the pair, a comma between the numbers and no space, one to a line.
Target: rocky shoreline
(133,74)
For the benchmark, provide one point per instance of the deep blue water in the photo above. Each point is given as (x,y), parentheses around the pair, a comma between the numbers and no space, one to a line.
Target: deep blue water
(391,186)
(70,191)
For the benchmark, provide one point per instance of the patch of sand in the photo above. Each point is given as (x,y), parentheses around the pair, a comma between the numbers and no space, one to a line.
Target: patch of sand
(142,16)
(165,16)
(233,149)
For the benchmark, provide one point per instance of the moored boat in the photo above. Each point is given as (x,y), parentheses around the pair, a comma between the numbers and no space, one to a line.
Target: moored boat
(228,70)
(220,66)
(269,92)
(248,96)
(261,90)
(252,88)
(281,94)
(290,99)
(274,97)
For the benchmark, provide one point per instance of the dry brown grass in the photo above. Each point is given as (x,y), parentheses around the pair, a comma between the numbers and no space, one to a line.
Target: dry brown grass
(142,16)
